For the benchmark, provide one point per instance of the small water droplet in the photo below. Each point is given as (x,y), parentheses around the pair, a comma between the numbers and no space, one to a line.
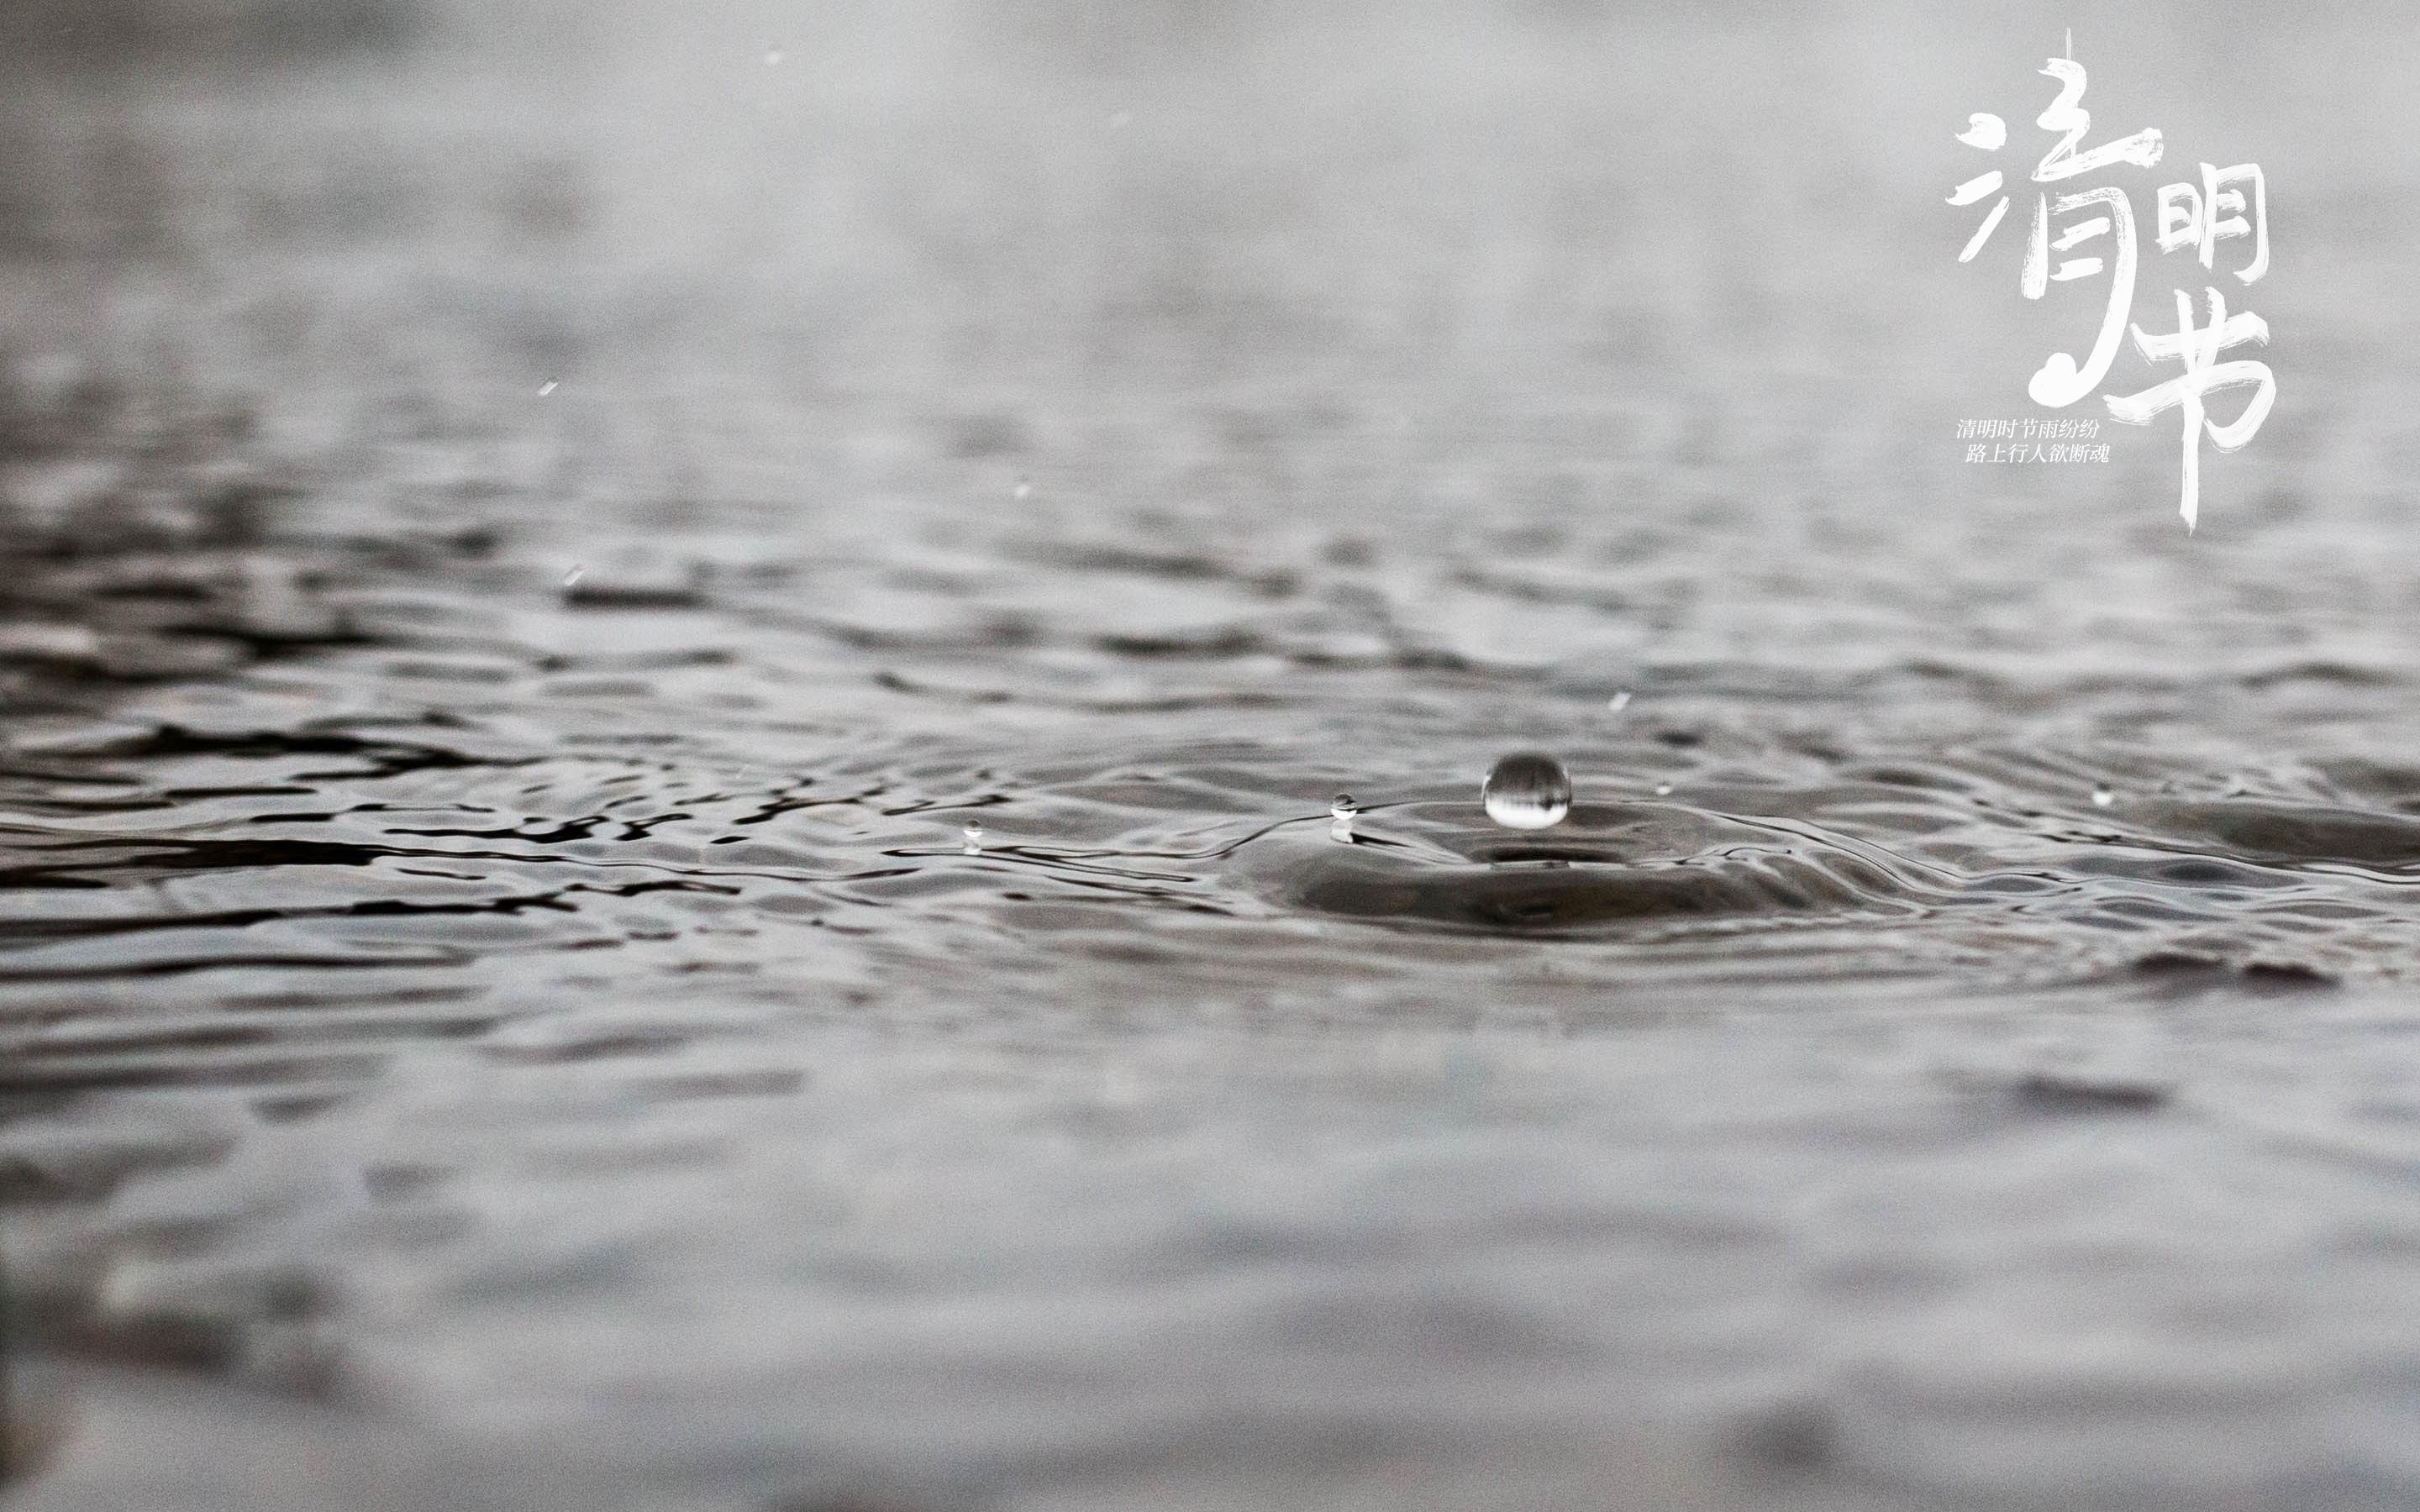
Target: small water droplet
(1528,789)
(571,579)
(545,388)
(772,56)
(1339,818)
(1663,790)
(2102,798)
(1024,488)
(1619,701)
(973,833)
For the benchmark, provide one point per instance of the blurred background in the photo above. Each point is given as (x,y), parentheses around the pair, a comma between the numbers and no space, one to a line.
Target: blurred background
(531,528)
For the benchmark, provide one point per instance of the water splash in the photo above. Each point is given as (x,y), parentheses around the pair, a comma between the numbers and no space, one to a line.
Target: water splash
(1339,818)
(973,835)
(1528,789)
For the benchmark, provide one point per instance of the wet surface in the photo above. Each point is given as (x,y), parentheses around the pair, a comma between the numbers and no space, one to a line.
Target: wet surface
(515,602)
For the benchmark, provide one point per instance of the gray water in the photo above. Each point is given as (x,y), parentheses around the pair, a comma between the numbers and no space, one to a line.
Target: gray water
(532,532)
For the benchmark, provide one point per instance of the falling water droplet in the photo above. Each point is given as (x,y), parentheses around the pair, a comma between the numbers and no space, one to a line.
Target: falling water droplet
(973,833)
(1619,701)
(571,579)
(1024,488)
(2102,798)
(545,388)
(1526,791)
(1663,790)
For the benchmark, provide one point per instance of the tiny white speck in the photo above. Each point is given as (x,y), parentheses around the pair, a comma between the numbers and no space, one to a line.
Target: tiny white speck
(571,579)
(2102,798)
(545,388)
(1619,701)
(1663,790)
(1023,490)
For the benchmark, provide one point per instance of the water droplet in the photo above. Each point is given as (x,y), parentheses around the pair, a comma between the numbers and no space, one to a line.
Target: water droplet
(545,388)
(1527,791)
(571,579)
(973,833)
(1339,818)
(772,56)
(1663,790)
(2102,798)
(1024,488)
(1619,701)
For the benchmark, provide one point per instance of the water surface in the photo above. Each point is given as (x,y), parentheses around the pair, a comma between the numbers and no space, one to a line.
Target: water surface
(533,538)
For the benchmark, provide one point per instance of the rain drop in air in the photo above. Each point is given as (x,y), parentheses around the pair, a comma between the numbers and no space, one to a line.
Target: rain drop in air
(1528,789)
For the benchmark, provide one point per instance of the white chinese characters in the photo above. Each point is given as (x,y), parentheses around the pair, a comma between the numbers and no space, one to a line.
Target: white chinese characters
(2097,224)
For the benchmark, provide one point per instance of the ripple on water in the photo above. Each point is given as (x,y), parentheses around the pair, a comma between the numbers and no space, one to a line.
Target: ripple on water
(1441,865)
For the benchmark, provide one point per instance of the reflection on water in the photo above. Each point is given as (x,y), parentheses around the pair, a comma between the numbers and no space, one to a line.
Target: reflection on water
(677,734)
